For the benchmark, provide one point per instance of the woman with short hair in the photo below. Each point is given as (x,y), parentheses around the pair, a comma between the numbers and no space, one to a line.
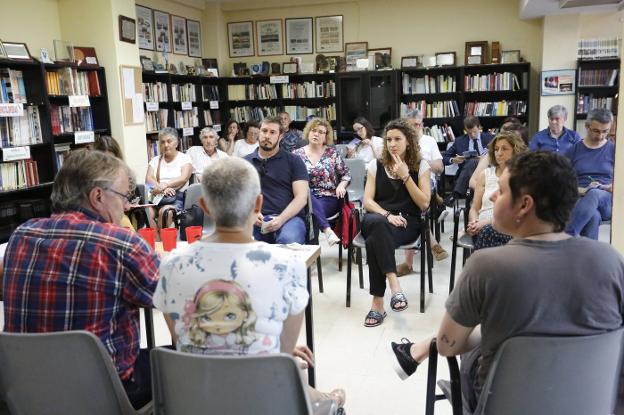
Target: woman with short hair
(202,156)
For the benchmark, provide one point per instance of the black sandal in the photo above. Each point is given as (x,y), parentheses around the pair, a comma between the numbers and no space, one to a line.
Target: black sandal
(396,298)
(376,316)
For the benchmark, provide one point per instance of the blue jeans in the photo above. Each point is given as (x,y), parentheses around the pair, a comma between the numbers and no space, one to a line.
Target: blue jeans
(293,230)
(323,208)
(588,212)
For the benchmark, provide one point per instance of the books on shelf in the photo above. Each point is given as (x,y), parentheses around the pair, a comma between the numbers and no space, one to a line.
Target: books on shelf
(252,91)
(246,113)
(69,81)
(152,148)
(66,119)
(441,133)
(309,90)
(155,92)
(156,120)
(183,92)
(436,109)
(597,77)
(12,89)
(212,117)
(18,174)
(19,131)
(61,151)
(589,102)
(495,109)
(301,113)
(598,48)
(183,119)
(506,81)
(210,92)
(428,84)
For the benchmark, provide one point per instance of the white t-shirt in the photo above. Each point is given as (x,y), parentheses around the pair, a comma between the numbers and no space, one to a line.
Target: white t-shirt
(242,148)
(200,159)
(366,152)
(429,148)
(171,170)
(231,298)
(371,167)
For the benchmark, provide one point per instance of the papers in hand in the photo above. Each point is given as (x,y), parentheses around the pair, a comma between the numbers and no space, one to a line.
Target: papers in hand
(156,199)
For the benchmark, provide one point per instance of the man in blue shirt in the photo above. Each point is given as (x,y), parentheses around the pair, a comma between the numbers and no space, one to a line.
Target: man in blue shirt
(593,159)
(556,137)
(284,183)
(292,138)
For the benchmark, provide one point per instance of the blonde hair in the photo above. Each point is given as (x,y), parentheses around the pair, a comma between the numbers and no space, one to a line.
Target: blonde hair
(513,138)
(314,123)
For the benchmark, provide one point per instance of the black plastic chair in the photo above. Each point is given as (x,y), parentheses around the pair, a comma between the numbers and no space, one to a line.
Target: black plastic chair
(465,242)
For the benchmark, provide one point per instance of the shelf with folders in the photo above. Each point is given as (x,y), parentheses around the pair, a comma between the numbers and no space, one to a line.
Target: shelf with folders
(597,86)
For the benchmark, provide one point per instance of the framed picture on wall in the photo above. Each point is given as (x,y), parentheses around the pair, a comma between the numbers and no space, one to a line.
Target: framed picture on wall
(145,27)
(329,35)
(560,82)
(193,28)
(299,36)
(127,29)
(241,39)
(355,51)
(270,37)
(162,33)
(178,30)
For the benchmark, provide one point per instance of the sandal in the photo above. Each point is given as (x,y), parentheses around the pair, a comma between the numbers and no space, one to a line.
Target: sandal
(403,269)
(396,298)
(376,316)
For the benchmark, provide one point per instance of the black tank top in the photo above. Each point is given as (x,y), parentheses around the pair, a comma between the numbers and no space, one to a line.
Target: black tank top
(392,194)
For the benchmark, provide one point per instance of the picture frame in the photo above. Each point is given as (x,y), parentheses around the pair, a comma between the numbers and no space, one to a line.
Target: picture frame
(379,58)
(162,31)
(85,57)
(17,51)
(445,59)
(193,30)
(178,35)
(3,52)
(147,64)
(558,82)
(511,56)
(241,39)
(289,68)
(476,53)
(145,27)
(355,51)
(411,62)
(329,33)
(269,37)
(44,54)
(299,40)
(127,29)
(63,51)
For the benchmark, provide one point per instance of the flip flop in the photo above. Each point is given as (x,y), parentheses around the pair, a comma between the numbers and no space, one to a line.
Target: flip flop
(376,316)
(396,298)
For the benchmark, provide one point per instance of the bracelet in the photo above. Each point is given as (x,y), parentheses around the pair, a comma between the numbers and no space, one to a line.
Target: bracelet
(387,214)
(405,179)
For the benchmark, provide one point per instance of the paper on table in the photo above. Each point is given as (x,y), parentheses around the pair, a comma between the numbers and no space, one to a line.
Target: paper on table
(128,80)
(138,115)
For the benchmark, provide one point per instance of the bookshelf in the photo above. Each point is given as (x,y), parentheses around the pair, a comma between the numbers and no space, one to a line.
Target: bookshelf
(597,86)
(55,119)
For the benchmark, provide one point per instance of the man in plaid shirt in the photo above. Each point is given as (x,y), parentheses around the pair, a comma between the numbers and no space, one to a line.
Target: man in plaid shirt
(80,270)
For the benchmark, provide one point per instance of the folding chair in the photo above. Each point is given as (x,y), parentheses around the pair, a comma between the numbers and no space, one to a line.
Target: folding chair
(465,242)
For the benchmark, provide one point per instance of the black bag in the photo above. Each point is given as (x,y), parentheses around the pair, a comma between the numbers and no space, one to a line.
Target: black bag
(192,216)
(168,200)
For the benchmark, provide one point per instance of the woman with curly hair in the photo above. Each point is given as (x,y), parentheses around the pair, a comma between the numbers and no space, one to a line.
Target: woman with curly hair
(233,133)
(397,189)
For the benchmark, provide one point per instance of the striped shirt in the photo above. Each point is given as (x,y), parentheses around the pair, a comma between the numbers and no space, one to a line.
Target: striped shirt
(74,271)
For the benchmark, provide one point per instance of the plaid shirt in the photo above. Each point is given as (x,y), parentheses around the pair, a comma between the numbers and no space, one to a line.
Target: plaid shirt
(74,271)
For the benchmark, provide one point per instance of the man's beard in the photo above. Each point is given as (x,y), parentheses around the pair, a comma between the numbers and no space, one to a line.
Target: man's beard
(266,145)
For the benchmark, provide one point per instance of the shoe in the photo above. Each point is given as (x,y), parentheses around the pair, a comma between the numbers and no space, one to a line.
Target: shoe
(403,269)
(438,252)
(443,214)
(398,297)
(377,318)
(449,200)
(332,238)
(337,395)
(404,364)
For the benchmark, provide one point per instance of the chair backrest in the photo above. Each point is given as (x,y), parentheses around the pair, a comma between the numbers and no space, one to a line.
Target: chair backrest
(68,373)
(192,195)
(357,168)
(554,375)
(185,383)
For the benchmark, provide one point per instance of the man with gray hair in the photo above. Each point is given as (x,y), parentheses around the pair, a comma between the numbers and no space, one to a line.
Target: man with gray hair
(555,137)
(80,270)
(202,156)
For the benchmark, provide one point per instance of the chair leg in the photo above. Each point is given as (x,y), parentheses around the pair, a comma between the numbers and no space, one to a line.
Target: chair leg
(429,260)
(454,251)
(360,269)
(430,399)
(349,266)
(340,255)
(423,259)
(319,271)
(456,394)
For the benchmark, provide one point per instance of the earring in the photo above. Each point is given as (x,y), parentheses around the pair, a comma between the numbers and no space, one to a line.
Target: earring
(517,220)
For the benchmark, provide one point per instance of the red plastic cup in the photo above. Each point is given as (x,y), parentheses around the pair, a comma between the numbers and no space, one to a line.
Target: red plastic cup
(168,236)
(149,234)
(193,234)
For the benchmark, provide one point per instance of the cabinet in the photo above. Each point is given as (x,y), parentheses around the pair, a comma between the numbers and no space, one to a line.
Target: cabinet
(597,86)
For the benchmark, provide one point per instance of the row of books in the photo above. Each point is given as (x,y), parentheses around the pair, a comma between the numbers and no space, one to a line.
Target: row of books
(155,92)
(598,48)
(309,90)
(19,131)
(301,113)
(495,109)
(506,81)
(68,81)
(436,109)
(210,92)
(589,102)
(212,117)
(183,92)
(61,151)
(428,84)
(597,77)
(184,119)
(252,91)
(156,120)
(441,133)
(67,119)
(12,88)
(18,174)
(246,114)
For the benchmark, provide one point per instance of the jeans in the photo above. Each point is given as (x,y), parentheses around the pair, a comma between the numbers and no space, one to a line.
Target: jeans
(588,212)
(293,231)
(139,387)
(322,208)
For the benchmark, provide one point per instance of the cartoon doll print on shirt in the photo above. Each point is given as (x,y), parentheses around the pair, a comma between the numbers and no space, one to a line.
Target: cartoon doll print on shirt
(220,317)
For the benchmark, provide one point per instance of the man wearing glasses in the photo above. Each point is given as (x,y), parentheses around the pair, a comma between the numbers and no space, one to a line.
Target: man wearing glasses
(80,270)
(593,159)
(284,183)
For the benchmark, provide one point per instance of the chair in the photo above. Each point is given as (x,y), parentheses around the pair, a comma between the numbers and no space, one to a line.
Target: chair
(357,169)
(312,239)
(465,242)
(259,385)
(544,375)
(68,373)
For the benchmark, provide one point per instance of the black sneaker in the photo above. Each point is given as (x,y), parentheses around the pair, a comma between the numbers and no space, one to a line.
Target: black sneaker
(404,365)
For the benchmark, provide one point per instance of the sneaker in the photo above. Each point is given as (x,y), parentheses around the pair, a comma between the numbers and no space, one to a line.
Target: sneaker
(332,238)
(404,364)
(443,214)
(438,252)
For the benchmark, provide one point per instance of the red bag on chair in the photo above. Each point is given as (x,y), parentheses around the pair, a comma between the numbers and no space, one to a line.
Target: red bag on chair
(342,227)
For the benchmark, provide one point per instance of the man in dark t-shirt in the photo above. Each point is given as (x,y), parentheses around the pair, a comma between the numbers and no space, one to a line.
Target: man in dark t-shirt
(284,182)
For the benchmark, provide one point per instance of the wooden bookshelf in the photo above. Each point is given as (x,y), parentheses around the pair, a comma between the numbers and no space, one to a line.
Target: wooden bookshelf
(597,86)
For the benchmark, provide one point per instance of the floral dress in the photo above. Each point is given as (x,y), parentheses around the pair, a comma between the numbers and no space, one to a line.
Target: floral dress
(327,173)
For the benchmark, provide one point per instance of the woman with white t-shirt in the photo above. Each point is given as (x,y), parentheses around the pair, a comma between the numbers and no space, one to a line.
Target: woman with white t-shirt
(167,176)
(250,143)
(202,156)
(370,146)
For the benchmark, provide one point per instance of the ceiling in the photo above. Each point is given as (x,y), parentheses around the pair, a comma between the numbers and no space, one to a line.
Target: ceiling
(530,9)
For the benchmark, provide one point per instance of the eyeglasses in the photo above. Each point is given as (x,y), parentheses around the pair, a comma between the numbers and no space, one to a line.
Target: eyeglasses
(129,197)
(320,132)
(599,132)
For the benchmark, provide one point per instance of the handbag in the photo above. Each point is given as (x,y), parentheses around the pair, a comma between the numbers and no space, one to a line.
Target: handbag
(342,227)
(193,216)
(162,200)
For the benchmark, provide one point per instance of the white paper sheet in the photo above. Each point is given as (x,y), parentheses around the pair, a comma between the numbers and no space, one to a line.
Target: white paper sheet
(137,108)
(128,80)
